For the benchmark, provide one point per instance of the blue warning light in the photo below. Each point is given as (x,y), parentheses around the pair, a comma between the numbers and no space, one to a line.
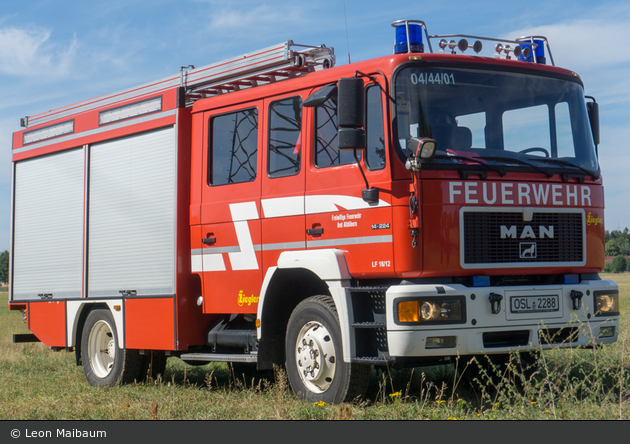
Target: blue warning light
(415,38)
(538,53)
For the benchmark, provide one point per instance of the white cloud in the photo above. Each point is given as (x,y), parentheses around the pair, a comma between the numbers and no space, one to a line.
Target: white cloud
(29,52)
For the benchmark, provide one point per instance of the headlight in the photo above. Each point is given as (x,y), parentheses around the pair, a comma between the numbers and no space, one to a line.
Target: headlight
(431,310)
(606,303)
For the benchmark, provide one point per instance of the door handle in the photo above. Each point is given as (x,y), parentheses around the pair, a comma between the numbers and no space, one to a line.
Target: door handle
(312,231)
(209,240)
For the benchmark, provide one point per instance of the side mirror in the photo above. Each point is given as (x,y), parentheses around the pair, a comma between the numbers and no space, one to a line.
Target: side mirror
(350,112)
(593,117)
(419,150)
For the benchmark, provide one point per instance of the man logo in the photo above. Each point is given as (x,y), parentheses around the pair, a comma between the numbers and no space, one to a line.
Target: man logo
(527,232)
(528,250)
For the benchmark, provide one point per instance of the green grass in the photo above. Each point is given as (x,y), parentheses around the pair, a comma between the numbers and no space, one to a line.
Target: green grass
(39,384)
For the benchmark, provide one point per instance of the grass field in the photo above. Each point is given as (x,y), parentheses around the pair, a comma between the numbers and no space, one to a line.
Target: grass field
(39,384)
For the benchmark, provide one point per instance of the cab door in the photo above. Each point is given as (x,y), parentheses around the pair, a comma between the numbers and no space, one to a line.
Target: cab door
(231,210)
(283,223)
(336,214)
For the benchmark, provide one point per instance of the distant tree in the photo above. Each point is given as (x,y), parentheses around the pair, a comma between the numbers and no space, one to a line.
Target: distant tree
(618,265)
(4,266)
(618,246)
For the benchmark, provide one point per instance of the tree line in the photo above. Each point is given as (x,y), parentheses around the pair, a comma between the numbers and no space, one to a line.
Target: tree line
(4,267)
(618,246)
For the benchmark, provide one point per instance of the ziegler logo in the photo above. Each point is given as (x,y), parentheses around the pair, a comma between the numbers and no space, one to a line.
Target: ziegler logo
(593,220)
(246,300)
(527,232)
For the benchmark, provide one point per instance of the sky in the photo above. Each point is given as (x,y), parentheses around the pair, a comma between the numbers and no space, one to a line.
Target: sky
(57,52)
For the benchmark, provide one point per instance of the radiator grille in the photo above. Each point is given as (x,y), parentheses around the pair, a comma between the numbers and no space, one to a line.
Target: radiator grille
(522,242)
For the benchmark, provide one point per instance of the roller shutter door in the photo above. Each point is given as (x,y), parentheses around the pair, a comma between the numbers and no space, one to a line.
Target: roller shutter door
(48,233)
(132,199)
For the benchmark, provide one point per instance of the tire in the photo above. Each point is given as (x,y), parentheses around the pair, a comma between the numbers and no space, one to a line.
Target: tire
(104,363)
(314,355)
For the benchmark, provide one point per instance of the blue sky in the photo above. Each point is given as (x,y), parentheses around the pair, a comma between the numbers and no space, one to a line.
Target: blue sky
(54,53)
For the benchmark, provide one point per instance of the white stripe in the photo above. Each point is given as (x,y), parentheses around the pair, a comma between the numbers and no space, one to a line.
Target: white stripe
(213,262)
(244,211)
(283,206)
(196,264)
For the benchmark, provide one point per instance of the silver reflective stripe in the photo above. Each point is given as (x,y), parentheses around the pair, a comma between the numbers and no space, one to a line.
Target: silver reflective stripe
(284,246)
(350,241)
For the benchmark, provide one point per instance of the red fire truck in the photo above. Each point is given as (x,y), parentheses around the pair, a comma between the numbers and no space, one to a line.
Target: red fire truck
(274,209)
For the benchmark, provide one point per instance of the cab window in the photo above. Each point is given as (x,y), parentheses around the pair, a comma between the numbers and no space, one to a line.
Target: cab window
(233,147)
(285,141)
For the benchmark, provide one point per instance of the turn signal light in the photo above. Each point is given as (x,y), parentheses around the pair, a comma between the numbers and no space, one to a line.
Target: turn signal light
(408,311)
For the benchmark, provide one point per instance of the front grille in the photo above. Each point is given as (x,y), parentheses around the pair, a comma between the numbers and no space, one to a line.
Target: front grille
(549,237)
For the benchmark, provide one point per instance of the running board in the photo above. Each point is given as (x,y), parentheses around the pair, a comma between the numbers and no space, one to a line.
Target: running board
(219,357)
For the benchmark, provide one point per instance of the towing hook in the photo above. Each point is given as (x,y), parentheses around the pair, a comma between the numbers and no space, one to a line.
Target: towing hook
(576,297)
(495,302)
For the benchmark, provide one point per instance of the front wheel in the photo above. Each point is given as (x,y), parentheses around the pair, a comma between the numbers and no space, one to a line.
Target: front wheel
(104,363)
(315,365)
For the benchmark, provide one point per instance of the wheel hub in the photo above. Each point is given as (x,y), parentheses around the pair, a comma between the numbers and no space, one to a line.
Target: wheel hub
(315,357)
(101,349)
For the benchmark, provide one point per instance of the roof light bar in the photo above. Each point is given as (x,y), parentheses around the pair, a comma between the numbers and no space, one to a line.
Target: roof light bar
(528,49)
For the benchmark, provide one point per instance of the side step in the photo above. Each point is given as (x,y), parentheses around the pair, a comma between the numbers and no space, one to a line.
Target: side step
(373,360)
(24,337)
(219,357)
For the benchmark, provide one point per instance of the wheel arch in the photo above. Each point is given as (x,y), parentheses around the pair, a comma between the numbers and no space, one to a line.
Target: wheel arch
(299,275)
(78,313)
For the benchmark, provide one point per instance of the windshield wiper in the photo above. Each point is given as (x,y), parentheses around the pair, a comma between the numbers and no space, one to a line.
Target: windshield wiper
(594,176)
(521,162)
(499,171)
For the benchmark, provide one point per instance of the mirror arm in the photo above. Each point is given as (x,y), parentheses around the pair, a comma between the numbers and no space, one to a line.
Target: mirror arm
(370,195)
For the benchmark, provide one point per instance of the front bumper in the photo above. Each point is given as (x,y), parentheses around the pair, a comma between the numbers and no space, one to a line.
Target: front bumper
(488,328)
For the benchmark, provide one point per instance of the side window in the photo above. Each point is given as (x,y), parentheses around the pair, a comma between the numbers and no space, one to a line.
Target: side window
(233,147)
(327,153)
(375,136)
(285,137)
(564,131)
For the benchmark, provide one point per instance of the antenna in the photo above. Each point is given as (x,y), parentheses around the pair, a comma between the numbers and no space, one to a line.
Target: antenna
(346,20)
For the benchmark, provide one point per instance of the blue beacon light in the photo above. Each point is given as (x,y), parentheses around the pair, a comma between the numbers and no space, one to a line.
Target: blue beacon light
(538,52)
(415,38)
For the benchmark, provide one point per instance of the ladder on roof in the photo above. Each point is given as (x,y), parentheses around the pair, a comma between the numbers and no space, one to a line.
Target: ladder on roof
(262,67)
(279,62)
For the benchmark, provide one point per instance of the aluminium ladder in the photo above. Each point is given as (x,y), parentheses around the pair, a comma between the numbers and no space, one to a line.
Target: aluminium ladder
(275,63)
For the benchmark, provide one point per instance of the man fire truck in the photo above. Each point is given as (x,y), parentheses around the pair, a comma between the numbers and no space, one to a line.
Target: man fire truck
(271,209)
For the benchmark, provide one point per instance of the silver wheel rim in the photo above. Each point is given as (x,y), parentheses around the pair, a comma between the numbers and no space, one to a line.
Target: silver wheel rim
(315,357)
(102,349)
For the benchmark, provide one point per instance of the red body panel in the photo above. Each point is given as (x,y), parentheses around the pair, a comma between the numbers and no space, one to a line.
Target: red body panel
(47,321)
(150,323)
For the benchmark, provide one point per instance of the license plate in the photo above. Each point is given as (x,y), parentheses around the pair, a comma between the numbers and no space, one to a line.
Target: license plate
(534,304)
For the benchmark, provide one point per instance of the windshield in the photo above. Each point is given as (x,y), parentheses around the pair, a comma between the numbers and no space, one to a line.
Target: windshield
(483,117)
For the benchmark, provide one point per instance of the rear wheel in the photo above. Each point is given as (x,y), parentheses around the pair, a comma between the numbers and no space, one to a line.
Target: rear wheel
(104,363)
(315,365)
